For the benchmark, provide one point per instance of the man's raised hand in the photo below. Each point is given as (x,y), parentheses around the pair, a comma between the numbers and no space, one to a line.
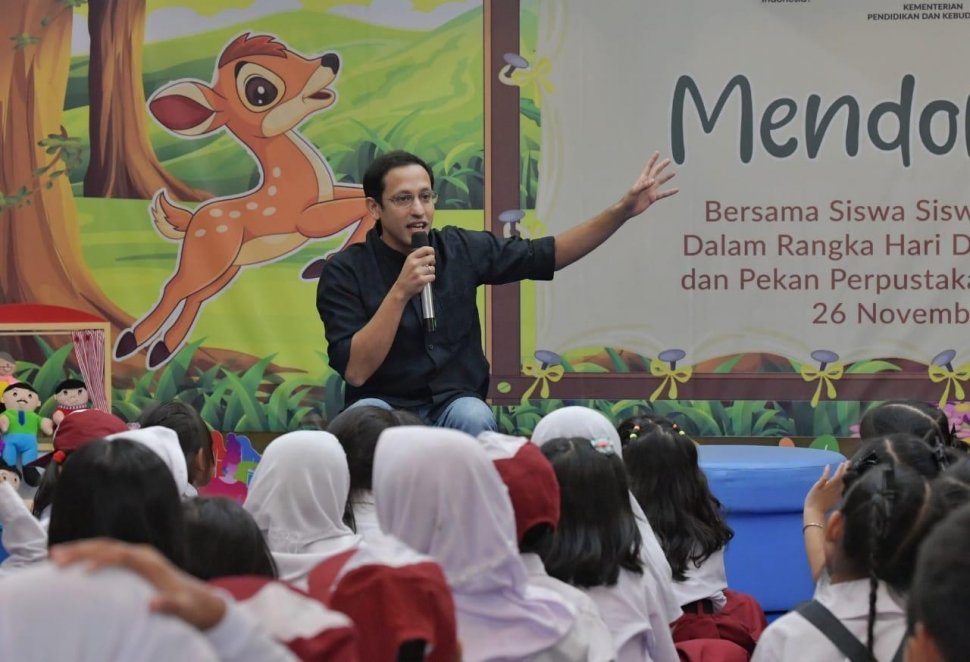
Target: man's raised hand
(648,188)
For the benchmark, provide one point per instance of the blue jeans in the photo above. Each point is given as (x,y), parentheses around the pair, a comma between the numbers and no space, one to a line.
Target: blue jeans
(467,414)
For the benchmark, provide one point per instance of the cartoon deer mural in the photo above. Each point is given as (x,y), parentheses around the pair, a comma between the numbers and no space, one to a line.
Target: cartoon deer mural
(261,92)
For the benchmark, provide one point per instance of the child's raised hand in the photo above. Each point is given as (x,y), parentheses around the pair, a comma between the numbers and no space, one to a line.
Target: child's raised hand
(824,494)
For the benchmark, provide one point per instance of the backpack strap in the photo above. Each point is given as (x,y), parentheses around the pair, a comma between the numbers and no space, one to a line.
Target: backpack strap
(818,615)
(901,651)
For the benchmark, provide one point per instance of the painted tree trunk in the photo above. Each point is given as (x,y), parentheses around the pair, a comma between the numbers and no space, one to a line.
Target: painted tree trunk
(123,163)
(40,255)
(40,241)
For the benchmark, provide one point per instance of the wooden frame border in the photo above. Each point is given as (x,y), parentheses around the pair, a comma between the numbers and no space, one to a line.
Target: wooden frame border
(503,341)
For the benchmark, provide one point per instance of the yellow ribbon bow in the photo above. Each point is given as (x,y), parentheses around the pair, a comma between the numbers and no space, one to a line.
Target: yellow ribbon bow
(952,378)
(831,373)
(551,373)
(671,376)
(536,77)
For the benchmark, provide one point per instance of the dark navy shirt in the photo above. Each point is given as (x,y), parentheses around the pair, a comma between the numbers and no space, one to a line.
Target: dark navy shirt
(424,369)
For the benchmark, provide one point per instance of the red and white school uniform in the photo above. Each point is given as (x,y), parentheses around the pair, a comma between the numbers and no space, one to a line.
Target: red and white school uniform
(712,611)
(632,612)
(589,621)
(310,630)
(297,499)
(394,595)
(792,637)
(534,491)
(588,423)
(438,492)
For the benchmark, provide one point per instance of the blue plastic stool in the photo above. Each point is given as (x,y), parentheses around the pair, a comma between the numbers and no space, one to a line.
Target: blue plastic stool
(762,490)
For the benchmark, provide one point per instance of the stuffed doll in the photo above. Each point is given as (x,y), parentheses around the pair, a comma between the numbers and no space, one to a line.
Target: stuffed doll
(71,396)
(7,366)
(20,425)
(10,475)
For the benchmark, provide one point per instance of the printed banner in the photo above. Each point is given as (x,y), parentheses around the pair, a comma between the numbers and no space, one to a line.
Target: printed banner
(822,149)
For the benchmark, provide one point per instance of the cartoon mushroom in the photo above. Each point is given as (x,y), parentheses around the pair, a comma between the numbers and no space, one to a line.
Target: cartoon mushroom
(513,61)
(671,373)
(510,220)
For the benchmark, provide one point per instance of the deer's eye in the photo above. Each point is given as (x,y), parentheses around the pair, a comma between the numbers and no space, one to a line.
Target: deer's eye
(260,92)
(259,88)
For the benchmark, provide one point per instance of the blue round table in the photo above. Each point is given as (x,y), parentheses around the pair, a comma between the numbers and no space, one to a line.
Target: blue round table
(762,489)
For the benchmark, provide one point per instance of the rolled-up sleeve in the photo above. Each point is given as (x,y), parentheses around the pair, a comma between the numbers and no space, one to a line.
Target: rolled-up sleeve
(499,261)
(341,309)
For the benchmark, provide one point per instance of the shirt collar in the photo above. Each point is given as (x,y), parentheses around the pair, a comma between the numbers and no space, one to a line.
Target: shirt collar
(851,599)
(382,249)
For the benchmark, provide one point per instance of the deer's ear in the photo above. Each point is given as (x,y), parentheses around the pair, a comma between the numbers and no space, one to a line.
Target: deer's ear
(187,108)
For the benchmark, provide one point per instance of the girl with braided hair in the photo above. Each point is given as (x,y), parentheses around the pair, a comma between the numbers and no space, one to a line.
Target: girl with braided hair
(925,421)
(890,449)
(871,541)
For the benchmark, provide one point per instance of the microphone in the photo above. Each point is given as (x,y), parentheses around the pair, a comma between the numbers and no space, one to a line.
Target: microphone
(420,240)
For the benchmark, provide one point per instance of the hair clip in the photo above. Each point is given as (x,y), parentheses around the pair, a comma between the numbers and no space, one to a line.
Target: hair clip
(635,432)
(939,450)
(602,446)
(59,457)
(870,460)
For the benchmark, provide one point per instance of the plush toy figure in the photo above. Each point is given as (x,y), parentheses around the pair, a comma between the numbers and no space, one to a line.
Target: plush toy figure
(9,474)
(71,396)
(20,424)
(7,366)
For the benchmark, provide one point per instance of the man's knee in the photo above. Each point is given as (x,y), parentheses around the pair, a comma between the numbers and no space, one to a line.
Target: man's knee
(469,415)
(370,402)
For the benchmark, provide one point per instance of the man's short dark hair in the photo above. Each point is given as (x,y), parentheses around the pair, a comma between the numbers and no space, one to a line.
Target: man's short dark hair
(379,167)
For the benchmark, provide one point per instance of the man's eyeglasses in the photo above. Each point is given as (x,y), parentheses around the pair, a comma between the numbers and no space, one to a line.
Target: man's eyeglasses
(406,200)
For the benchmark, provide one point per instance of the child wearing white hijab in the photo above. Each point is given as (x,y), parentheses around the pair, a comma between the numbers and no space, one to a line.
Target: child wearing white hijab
(297,497)
(164,442)
(437,491)
(534,491)
(590,424)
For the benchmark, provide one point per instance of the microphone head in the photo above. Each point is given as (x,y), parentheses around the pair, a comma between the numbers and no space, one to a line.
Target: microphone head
(419,240)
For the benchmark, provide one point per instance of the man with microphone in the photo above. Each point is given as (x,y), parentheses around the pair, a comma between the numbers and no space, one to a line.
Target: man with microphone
(399,309)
